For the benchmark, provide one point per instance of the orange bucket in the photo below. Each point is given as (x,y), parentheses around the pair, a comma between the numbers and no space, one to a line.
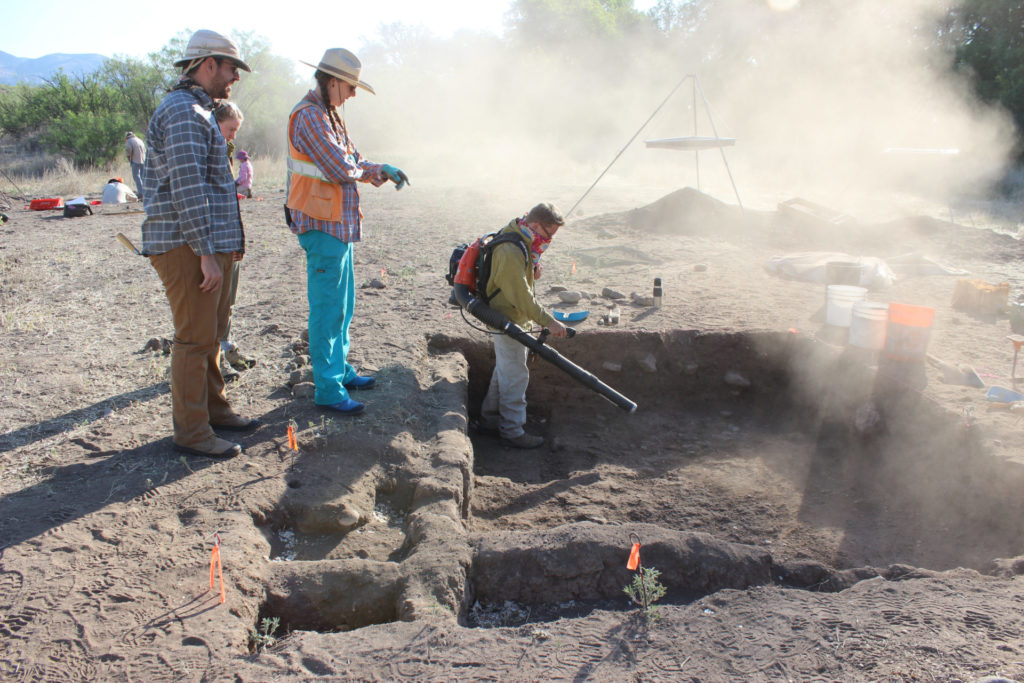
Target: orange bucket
(910,328)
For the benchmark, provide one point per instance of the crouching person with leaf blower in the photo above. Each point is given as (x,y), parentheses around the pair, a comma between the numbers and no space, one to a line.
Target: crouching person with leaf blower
(515,265)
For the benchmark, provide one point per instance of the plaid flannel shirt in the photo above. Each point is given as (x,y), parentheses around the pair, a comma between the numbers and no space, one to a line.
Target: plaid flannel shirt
(340,162)
(188,187)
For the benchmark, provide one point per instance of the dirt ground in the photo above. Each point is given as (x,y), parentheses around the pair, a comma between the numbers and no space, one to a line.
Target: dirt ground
(817,512)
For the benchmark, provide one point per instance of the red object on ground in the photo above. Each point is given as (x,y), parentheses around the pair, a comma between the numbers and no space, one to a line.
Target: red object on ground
(96,202)
(46,204)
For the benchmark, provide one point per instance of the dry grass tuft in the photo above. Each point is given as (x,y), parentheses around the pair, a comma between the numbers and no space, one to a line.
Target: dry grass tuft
(269,173)
(64,179)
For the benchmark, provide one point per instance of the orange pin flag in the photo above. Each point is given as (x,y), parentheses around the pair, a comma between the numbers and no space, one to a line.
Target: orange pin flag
(573,267)
(634,553)
(383,272)
(634,557)
(292,442)
(215,560)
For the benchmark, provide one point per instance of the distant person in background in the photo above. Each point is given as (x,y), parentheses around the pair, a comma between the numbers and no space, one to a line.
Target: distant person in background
(322,208)
(244,180)
(136,151)
(116,192)
(232,360)
(191,233)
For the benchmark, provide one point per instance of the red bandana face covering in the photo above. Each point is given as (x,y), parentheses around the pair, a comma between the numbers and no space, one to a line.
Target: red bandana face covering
(538,243)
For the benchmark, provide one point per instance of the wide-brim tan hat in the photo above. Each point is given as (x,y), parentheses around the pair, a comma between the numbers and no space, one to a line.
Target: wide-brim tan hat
(342,64)
(205,43)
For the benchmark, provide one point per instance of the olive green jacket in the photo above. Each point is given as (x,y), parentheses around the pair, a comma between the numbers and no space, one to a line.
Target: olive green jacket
(513,275)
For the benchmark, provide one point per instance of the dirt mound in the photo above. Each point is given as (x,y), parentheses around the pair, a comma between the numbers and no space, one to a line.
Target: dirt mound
(683,212)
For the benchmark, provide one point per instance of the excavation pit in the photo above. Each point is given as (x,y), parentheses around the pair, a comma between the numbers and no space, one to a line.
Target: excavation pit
(369,525)
(809,451)
(380,538)
(339,502)
(754,458)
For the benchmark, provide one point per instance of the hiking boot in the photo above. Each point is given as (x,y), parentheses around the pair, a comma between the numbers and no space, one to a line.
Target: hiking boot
(236,423)
(524,441)
(226,371)
(214,447)
(237,359)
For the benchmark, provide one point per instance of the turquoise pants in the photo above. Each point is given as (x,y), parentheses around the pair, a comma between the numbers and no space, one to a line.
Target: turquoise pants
(330,288)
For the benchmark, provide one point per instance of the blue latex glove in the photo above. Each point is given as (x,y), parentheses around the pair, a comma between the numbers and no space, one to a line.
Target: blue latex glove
(395,175)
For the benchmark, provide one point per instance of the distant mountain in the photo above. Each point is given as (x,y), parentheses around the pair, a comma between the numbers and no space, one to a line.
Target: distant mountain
(18,69)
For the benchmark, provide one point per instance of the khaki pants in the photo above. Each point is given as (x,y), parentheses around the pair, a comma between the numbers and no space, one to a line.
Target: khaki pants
(197,388)
(504,405)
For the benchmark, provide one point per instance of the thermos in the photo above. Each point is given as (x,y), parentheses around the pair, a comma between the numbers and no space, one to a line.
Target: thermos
(657,292)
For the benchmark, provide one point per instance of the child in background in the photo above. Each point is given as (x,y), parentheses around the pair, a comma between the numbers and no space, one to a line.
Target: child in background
(244,181)
(232,360)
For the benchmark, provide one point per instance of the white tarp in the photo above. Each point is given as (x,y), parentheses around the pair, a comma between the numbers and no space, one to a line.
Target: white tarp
(875,273)
(809,266)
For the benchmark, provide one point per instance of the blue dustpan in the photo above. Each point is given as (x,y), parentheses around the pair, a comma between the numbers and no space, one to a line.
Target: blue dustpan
(1003,395)
(573,317)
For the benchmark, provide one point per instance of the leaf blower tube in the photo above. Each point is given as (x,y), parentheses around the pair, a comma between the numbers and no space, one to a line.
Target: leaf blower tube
(489,316)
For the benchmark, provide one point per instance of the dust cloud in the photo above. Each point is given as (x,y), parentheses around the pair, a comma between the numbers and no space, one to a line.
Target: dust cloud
(842,103)
(814,95)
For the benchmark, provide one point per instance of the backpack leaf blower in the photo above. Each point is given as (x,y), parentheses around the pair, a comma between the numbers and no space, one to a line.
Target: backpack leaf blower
(480,310)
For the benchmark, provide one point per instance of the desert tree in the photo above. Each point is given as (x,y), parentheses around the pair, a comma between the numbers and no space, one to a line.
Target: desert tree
(987,39)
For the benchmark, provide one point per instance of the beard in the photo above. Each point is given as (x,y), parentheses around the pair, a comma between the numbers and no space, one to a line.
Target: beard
(220,85)
(220,90)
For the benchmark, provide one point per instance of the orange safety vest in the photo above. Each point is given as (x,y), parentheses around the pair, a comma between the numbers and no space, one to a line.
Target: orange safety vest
(308,190)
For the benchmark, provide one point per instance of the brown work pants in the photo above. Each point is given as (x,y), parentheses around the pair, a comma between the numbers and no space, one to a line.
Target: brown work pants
(197,387)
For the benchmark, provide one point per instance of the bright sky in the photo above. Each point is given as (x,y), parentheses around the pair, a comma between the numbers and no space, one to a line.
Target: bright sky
(138,28)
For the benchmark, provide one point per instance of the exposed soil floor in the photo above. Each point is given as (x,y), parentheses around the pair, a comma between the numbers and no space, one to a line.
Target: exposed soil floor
(817,512)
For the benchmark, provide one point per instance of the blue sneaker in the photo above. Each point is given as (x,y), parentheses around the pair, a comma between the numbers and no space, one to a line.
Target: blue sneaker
(346,407)
(360,383)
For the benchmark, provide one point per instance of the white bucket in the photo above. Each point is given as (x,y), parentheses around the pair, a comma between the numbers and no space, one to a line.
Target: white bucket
(839,311)
(868,324)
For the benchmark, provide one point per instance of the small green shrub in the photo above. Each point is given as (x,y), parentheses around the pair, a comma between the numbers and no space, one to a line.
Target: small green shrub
(262,638)
(645,590)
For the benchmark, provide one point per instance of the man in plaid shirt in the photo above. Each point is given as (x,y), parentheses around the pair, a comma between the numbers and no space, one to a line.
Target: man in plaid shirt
(191,234)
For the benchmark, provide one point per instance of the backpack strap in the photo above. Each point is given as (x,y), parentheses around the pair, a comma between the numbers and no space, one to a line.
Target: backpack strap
(483,270)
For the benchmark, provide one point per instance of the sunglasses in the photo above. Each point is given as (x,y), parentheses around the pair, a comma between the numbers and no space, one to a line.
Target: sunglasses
(234,67)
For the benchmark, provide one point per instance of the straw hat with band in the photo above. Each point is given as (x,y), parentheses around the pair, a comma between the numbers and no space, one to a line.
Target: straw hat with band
(205,43)
(342,64)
